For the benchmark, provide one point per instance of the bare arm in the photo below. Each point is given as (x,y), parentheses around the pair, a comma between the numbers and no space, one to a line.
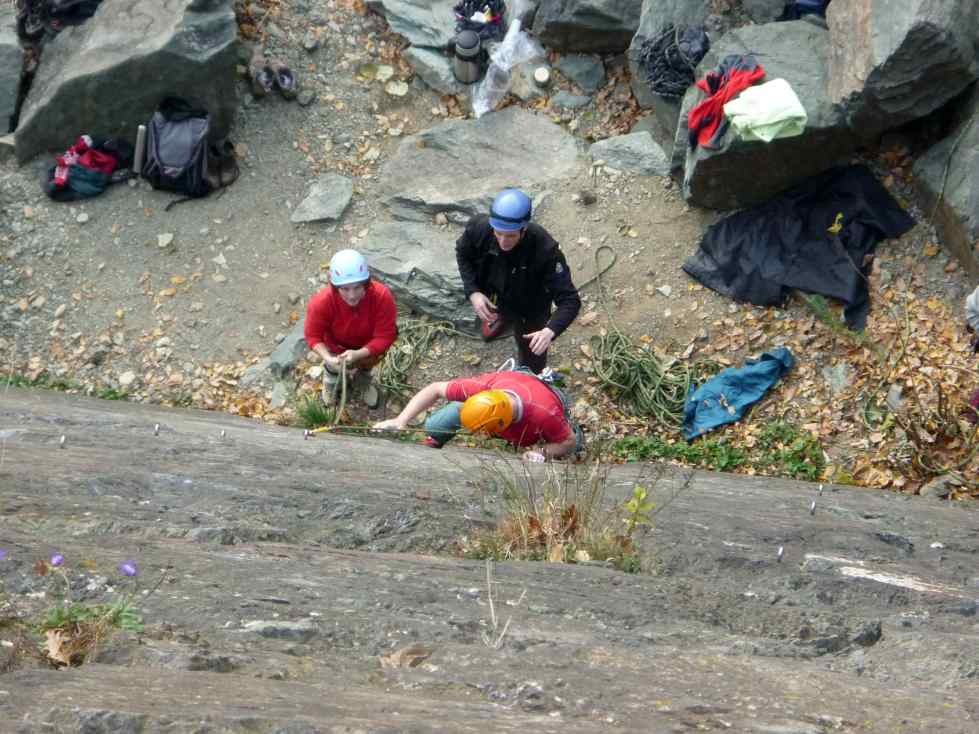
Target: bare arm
(552,450)
(422,401)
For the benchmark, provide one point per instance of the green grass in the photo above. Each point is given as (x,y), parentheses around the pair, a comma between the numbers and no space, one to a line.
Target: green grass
(46,382)
(781,449)
(313,413)
(559,514)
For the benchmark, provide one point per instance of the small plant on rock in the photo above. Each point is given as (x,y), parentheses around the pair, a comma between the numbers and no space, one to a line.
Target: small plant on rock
(72,630)
(559,513)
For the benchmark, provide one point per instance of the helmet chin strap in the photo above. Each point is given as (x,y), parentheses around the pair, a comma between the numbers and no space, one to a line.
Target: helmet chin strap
(517,405)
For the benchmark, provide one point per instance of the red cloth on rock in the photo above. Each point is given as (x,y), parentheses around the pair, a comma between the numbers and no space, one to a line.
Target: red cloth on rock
(543,412)
(372,324)
(735,74)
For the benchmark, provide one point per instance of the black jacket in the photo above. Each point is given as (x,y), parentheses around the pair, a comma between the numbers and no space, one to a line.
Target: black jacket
(524,281)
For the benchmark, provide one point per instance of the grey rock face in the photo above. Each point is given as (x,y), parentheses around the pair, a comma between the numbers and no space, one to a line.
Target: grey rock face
(567,101)
(435,69)
(586,25)
(763,11)
(741,173)
(655,16)
(893,61)
(636,152)
(290,349)
(661,122)
(957,216)
(588,72)
(459,166)
(301,631)
(423,22)
(328,198)
(417,262)
(108,75)
(11,61)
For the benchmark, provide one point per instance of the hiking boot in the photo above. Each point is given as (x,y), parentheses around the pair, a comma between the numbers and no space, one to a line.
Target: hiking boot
(371,395)
(331,386)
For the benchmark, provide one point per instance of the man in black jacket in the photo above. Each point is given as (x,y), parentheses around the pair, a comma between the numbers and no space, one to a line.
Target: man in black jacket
(513,271)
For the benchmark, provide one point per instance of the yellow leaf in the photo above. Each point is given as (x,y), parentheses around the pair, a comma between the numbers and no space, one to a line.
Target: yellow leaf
(167,292)
(177,280)
(406,657)
(53,646)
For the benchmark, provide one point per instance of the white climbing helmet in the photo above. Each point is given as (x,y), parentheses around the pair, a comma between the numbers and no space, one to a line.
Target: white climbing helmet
(972,309)
(348,267)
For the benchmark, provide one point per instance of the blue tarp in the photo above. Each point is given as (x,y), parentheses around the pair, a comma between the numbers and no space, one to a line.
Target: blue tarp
(727,396)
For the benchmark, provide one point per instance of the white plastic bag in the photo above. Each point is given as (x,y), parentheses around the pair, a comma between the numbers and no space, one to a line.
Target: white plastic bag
(517,47)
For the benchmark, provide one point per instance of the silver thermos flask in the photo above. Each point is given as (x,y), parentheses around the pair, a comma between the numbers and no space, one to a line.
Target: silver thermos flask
(466,62)
(140,152)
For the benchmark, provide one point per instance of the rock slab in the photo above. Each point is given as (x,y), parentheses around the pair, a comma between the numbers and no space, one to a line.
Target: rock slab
(107,76)
(456,168)
(328,198)
(742,173)
(589,26)
(892,61)
(636,152)
(11,61)
(417,262)
(948,174)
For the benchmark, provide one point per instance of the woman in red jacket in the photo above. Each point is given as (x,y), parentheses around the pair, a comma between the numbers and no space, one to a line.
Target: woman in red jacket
(352,321)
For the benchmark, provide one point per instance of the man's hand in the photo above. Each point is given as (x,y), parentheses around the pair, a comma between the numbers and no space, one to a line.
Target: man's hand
(534,457)
(391,424)
(352,356)
(484,307)
(540,340)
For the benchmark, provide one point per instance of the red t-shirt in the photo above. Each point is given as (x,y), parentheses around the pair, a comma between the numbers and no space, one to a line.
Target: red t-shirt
(543,413)
(372,324)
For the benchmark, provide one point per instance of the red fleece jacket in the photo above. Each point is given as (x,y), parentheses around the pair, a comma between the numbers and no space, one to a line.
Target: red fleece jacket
(372,324)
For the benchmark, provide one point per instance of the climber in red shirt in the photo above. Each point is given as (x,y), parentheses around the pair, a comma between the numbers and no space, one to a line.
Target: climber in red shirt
(516,406)
(351,322)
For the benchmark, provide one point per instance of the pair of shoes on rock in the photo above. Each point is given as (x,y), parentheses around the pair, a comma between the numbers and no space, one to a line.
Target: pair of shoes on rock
(369,393)
(267,75)
(361,382)
(222,165)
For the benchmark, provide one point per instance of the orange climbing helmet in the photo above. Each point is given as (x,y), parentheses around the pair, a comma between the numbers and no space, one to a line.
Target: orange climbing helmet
(489,411)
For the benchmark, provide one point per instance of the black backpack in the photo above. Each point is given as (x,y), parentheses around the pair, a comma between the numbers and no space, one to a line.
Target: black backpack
(176,148)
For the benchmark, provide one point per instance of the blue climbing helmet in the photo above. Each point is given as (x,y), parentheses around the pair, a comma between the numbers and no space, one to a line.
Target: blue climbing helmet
(510,211)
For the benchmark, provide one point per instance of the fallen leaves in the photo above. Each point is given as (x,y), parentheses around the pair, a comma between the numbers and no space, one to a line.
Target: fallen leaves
(406,657)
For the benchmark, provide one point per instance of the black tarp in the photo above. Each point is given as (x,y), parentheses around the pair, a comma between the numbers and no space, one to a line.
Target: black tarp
(759,254)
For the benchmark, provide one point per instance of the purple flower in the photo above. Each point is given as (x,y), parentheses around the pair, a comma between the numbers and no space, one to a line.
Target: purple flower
(3,554)
(57,559)
(128,568)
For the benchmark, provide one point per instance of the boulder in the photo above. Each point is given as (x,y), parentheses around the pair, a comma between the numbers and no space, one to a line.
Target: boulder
(11,62)
(435,69)
(326,201)
(662,127)
(636,152)
(290,350)
(457,167)
(423,22)
(763,11)
(890,67)
(948,173)
(417,262)
(654,17)
(598,26)
(587,71)
(564,100)
(742,173)
(107,76)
